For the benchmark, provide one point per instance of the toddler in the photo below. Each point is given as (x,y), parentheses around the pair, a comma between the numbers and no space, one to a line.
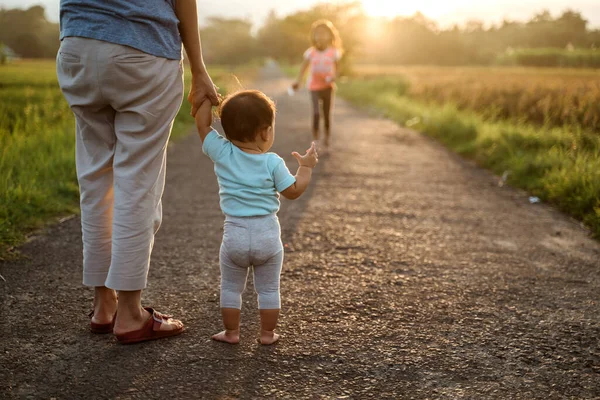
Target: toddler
(250,180)
(322,59)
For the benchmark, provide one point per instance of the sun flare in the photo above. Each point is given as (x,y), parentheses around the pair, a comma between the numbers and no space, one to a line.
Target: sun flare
(392,8)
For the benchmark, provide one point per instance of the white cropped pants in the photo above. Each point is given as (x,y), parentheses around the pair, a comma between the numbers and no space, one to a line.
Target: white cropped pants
(124,102)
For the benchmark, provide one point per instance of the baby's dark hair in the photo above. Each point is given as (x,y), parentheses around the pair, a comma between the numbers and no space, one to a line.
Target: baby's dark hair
(244,114)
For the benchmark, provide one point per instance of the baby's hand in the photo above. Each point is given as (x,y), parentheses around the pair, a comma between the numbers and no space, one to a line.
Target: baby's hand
(310,159)
(204,114)
(204,118)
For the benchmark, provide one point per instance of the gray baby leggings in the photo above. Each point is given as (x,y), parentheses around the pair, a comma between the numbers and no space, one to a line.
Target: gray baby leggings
(251,242)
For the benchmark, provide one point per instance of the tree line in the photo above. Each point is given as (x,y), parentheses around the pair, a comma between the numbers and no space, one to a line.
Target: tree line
(400,40)
(28,33)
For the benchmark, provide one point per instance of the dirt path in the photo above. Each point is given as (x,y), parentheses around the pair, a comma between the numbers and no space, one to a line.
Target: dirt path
(409,274)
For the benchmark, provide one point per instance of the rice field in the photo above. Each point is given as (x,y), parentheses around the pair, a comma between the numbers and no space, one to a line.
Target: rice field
(551,57)
(37,153)
(549,97)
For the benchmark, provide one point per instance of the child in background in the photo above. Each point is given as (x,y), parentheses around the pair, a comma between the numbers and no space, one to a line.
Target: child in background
(323,59)
(250,180)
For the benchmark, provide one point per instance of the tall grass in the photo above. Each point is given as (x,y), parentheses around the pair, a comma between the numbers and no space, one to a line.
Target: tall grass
(37,167)
(561,164)
(551,57)
(542,96)
(37,177)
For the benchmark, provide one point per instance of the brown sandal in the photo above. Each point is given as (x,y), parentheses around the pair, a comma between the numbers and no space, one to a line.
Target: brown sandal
(101,328)
(150,330)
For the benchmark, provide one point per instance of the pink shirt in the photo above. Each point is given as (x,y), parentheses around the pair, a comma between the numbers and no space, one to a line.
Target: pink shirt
(322,67)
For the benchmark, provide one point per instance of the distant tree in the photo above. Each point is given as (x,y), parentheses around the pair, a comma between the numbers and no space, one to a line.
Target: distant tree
(573,27)
(545,31)
(29,33)
(228,41)
(29,46)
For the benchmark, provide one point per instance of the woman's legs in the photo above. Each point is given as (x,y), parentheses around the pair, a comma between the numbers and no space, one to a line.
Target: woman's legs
(94,152)
(146,92)
(105,305)
(124,101)
(94,156)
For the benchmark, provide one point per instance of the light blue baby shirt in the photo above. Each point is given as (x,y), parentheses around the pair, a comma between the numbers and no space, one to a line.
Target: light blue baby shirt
(248,183)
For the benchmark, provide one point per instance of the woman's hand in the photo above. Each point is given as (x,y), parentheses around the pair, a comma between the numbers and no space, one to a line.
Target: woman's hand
(295,85)
(202,89)
(310,159)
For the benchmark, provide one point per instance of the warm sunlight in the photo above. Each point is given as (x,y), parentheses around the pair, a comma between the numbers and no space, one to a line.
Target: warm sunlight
(430,8)
(387,8)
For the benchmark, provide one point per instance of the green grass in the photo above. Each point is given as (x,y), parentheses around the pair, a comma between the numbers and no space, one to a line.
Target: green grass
(37,160)
(290,70)
(551,57)
(560,165)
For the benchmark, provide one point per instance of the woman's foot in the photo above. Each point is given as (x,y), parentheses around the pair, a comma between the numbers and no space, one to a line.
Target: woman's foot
(131,316)
(231,337)
(268,337)
(132,321)
(105,305)
(158,326)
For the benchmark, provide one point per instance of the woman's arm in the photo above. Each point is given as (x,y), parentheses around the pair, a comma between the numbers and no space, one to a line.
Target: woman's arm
(202,85)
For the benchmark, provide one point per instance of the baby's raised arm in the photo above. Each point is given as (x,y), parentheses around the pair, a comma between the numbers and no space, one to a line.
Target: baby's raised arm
(204,119)
(306,164)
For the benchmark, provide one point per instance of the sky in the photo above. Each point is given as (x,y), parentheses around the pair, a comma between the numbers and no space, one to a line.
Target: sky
(445,12)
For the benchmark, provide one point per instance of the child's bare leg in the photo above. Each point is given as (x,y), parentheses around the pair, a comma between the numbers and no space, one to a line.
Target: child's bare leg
(316,111)
(266,282)
(315,135)
(231,321)
(268,323)
(233,284)
(327,105)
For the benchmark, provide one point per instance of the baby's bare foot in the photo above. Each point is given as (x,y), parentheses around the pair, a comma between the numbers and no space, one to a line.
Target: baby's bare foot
(231,337)
(268,337)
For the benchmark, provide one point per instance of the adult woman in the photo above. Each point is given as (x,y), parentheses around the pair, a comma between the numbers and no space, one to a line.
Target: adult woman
(119,67)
